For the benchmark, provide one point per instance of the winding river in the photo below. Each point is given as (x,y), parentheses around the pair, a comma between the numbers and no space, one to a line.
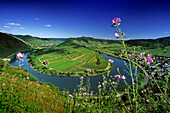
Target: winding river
(70,83)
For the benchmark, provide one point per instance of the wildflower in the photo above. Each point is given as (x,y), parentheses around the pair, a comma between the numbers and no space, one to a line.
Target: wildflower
(125,89)
(117,35)
(4,59)
(148,60)
(70,95)
(37,82)
(99,86)
(48,86)
(117,76)
(103,83)
(150,91)
(149,55)
(128,108)
(20,55)
(117,95)
(164,89)
(142,54)
(141,91)
(123,77)
(81,77)
(147,100)
(110,60)
(88,70)
(134,83)
(27,77)
(113,82)
(116,22)
(3,84)
(143,98)
(144,90)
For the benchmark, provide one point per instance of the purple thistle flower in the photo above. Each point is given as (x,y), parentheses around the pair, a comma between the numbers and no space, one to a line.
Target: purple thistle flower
(149,55)
(99,86)
(88,70)
(117,76)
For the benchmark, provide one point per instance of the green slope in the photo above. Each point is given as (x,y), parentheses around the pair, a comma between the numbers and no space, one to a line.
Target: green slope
(10,44)
(35,41)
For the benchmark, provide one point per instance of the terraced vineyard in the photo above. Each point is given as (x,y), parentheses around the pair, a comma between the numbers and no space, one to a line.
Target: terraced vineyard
(69,59)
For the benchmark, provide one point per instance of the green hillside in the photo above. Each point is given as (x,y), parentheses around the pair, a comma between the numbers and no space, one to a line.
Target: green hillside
(70,60)
(88,41)
(35,41)
(10,44)
(22,92)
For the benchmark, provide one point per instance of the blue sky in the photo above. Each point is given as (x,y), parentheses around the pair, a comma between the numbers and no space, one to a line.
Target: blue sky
(141,19)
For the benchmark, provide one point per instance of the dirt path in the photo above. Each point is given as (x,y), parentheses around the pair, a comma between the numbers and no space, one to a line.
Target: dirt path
(77,57)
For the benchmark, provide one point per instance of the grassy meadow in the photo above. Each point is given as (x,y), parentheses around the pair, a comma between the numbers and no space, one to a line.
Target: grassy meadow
(69,59)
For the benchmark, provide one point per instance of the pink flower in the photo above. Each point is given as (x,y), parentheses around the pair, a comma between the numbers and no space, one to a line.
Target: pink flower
(142,54)
(110,60)
(37,82)
(123,77)
(117,76)
(27,77)
(113,82)
(3,84)
(81,77)
(4,59)
(147,100)
(125,89)
(164,89)
(148,60)
(117,35)
(78,104)
(149,55)
(103,83)
(116,22)
(99,86)
(19,55)
(128,108)
(117,95)
(70,95)
(88,70)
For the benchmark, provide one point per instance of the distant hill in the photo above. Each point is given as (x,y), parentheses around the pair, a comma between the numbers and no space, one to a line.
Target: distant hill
(150,43)
(88,41)
(36,41)
(10,44)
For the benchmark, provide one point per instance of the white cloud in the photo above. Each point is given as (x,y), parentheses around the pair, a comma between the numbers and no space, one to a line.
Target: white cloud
(48,25)
(36,18)
(14,24)
(166,32)
(7,26)
(21,28)
(15,30)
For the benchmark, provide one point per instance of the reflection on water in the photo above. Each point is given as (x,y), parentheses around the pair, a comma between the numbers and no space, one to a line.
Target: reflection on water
(70,83)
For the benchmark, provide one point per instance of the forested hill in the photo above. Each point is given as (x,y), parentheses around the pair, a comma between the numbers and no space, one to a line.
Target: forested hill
(150,43)
(88,41)
(10,44)
(36,41)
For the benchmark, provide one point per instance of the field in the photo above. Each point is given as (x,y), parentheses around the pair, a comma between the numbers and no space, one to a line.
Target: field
(70,59)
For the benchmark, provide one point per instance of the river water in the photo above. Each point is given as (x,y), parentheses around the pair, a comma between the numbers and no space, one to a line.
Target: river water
(70,83)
